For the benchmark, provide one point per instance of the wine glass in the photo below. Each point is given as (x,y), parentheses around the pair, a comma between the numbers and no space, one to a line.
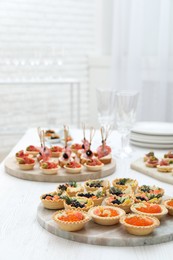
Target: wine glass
(125,107)
(105,106)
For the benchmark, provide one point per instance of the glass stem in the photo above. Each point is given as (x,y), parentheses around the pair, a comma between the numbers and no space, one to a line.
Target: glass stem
(124,141)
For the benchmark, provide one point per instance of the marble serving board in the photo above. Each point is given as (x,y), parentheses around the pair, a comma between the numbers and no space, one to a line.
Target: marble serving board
(12,168)
(114,235)
(139,166)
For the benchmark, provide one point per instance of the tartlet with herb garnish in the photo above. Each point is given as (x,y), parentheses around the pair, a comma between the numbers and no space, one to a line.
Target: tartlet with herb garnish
(124,202)
(151,189)
(73,188)
(93,185)
(70,220)
(53,200)
(97,196)
(78,203)
(148,197)
(139,225)
(169,205)
(106,215)
(26,163)
(149,209)
(125,182)
(49,133)
(119,191)
(169,156)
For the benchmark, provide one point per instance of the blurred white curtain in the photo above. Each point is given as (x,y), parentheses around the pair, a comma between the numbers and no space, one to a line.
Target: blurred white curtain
(142,54)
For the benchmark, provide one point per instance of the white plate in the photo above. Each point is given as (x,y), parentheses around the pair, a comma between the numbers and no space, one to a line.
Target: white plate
(152,145)
(153,128)
(151,139)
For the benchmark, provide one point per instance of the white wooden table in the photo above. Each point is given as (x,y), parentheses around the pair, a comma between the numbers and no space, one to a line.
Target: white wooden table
(21,237)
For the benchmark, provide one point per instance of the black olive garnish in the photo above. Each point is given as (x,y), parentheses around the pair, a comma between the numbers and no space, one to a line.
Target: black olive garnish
(65,156)
(88,152)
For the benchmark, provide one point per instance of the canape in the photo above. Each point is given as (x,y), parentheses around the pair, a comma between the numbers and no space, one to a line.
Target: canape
(49,132)
(106,215)
(119,191)
(49,167)
(152,162)
(169,157)
(31,149)
(21,154)
(149,209)
(94,165)
(148,197)
(78,203)
(53,200)
(56,151)
(93,185)
(72,188)
(26,163)
(164,166)
(65,156)
(148,155)
(125,182)
(70,220)
(76,147)
(139,225)
(169,205)
(73,167)
(124,202)
(151,189)
(97,196)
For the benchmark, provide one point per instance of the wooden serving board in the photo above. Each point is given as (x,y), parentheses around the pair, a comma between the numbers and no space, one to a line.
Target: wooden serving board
(12,168)
(106,235)
(139,166)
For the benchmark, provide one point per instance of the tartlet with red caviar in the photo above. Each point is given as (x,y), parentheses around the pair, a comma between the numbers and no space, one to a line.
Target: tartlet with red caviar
(94,165)
(124,202)
(56,151)
(78,203)
(152,162)
(26,163)
(139,225)
(70,220)
(169,205)
(31,149)
(73,167)
(93,185)
(106,215)
(22,154)
(49,167)
(149,209)
(53,200)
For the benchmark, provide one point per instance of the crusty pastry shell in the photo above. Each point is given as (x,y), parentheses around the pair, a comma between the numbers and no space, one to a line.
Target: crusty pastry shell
(139,230)
(34,153)
(106,159)
(50,171)
(94,168)
(106,186)
(97,201)
(157,215)
(70,226)
(72,191)
(56,154)
(26,167)
(50,204)
(106,221)
(169,208)
(86,208)
(167,168)
(151,165)
(72,170)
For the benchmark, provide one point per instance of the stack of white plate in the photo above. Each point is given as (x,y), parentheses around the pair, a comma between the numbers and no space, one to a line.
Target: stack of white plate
(152,135)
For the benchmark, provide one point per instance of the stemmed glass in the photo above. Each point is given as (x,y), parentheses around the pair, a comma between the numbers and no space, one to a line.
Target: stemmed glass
(105,106)
(125,110)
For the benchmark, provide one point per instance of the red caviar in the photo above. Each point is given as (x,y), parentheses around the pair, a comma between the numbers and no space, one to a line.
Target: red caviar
(150,208)
(170,203)
(139,221)
(71,216)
